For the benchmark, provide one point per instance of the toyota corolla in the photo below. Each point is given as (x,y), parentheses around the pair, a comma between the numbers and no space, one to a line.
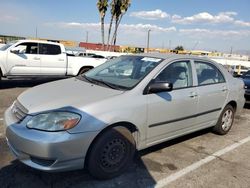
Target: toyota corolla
(99,119)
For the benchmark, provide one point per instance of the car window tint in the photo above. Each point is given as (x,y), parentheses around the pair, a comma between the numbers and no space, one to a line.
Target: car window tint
(28,48)
(208,74)
(177,73)
(49,49)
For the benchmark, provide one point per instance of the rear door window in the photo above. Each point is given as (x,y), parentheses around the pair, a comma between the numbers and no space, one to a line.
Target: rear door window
(49,49)
(208,73)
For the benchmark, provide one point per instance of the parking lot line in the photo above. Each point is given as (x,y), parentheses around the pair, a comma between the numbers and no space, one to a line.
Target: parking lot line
(165,181)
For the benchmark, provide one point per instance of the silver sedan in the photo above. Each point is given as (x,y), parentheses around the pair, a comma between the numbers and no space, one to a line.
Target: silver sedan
(99,119)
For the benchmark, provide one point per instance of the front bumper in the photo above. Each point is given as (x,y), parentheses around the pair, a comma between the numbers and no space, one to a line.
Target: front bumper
(47,151)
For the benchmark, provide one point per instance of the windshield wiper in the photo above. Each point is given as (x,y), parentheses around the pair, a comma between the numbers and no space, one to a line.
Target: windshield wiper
(88,79)
(113,86)
(98,82)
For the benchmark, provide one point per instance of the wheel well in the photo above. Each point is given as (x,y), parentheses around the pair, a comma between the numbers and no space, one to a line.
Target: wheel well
(90,67)
(1,73)
(233,104)
(131,127)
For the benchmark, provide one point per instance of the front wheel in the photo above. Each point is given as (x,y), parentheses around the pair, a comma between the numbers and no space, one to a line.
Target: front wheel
(225,121)
(111,153)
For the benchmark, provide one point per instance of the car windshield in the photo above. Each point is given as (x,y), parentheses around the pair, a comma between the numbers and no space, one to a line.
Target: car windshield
(124,72)
(6,46)
(246,75)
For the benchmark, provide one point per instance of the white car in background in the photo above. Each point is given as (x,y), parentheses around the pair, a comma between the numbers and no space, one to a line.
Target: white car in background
(35,58)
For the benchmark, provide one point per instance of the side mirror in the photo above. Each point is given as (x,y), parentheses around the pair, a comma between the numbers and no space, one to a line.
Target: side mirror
(15,50)
(158,87)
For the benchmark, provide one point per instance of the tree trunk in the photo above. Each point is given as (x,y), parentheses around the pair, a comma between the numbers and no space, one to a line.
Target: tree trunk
(109,32)
(117,23)
(102,28)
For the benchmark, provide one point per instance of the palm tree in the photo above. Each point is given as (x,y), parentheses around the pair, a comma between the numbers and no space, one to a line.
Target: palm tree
(102,6)
(112,11)
(121,7)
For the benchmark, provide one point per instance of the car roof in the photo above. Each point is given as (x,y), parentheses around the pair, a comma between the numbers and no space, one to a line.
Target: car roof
(171,56)
(39,41)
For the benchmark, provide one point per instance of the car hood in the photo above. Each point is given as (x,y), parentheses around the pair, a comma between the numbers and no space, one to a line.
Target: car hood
(69,92)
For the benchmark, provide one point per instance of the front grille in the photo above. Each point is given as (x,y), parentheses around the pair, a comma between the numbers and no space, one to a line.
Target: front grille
(19,111)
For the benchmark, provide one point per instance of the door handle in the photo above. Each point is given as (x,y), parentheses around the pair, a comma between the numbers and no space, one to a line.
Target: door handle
(193,94)
(60,59)
(36,58)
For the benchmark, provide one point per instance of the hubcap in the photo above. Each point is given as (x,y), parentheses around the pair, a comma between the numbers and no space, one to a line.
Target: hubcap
(113,154)
(227,120)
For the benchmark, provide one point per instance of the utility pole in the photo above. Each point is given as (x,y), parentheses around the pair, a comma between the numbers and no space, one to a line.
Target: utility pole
(195,45)
(148,40)
(36,32)
(231,50)
(169,42)
(87,36)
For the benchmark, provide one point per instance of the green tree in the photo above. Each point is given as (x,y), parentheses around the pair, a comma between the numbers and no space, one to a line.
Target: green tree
(179,48)
(102,6)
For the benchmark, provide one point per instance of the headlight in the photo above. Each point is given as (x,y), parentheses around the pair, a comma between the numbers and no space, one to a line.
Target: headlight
(54,121)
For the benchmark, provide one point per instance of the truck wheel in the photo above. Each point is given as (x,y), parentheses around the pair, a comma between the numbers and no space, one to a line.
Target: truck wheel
(84,69)
(111,153)
(225,121)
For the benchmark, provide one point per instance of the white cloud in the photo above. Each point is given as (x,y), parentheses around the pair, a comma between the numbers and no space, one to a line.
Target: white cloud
(242,23)
(150,15)
(205,17)
(197,32)
(125,27)
(8,18)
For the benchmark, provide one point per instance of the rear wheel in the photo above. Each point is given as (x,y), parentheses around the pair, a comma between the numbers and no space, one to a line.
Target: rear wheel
(111,153)
(84,69)
(225,121)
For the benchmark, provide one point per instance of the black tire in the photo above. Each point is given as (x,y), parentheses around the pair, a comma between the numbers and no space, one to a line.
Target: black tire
(111,153)
(84,69)
(225,121)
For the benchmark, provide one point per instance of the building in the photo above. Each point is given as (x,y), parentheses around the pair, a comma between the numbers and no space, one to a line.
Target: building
(7,38)
(99,47)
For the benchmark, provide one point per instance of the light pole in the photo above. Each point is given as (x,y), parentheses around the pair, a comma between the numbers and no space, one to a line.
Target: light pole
(36,32)
(148,40)
(87,36)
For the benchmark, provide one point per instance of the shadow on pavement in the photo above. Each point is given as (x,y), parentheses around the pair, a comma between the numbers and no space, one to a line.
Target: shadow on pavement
(17,174)
(8,84)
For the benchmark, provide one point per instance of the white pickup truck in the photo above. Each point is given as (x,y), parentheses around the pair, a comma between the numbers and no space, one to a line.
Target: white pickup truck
(34,58)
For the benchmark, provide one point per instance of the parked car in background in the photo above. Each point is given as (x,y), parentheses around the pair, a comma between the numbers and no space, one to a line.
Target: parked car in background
(246,79)
(1,45)
(34,58)
(99,119)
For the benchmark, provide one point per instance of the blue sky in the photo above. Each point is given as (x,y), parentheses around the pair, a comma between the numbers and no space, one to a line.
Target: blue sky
(195,24)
